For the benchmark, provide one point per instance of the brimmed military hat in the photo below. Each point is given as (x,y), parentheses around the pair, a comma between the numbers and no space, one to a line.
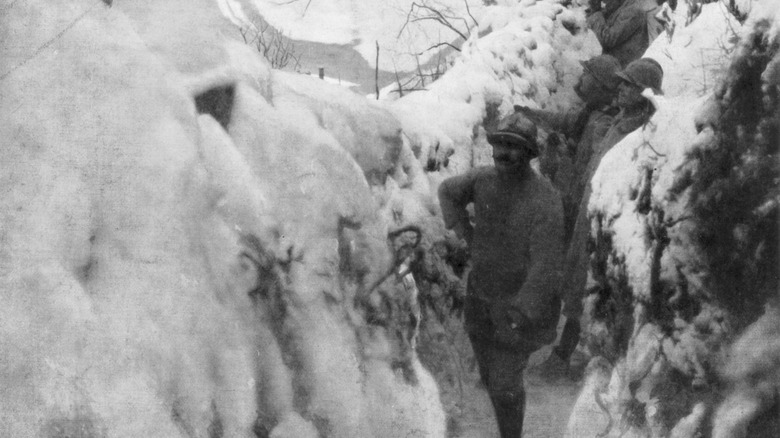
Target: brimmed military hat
(604,68)
(644,72)
(515,130)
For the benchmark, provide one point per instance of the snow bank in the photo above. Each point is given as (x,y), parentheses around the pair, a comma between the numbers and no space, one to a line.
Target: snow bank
(681,210)
(168,273)
(692,56)
(525,55)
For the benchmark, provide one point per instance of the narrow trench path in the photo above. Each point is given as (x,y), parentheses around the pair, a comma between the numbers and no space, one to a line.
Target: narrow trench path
(548,406)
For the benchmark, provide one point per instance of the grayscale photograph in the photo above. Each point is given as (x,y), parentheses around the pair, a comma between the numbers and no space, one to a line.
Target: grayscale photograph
(390,218)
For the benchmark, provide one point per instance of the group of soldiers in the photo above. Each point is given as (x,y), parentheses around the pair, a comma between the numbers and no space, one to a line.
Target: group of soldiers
(528,239)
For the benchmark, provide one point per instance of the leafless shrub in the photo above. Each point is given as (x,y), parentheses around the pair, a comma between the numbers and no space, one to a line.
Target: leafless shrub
(422,76)
(273,44)
(429,10)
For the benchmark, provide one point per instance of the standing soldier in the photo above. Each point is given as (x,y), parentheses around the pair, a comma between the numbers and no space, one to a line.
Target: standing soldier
(512,306)
(625,28)
(635,111)
(584,126)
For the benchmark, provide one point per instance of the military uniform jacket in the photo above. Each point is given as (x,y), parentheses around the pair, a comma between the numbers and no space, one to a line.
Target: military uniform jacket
(586,127)
(628,31)
(517,243)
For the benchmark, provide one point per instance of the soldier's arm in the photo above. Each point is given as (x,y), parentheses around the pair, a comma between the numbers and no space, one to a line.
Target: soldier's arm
(562,122)
(455,194)
(624,27)
(539,293)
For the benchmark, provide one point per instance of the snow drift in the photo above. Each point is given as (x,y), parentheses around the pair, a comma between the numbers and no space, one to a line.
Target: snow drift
(189,238)
(684,236)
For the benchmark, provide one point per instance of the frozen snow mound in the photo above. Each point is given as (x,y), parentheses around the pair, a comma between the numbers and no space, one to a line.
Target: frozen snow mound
(191,243)
(524,53)
(683,214)
(692,55)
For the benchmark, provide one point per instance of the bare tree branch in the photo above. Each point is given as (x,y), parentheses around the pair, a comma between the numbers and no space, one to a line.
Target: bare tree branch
(419,69)
(411,9)
(306,8)
(417,82)
(438,16)
(272,44)
(468,10)
(289,2)
(400,93)
(398,81)
(436,46)
(435,15)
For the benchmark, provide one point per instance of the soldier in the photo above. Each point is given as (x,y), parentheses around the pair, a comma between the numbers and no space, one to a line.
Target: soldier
(512,305)
(635,111)
(582,126)
(585,126)
(625,28)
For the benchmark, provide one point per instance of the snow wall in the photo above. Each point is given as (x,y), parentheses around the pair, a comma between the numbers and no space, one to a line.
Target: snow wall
(191,246)
(196,245)
(523,53)
(682,311)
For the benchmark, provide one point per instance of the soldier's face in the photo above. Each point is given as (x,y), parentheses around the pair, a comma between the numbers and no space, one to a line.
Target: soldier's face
(629,95)
(510,159)
(590,90)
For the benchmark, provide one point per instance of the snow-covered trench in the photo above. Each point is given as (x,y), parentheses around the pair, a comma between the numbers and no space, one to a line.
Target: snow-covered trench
(196,245)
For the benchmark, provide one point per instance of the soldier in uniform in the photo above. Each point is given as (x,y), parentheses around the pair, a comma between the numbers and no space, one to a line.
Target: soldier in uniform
(625,28)
(512,305)
(584,126)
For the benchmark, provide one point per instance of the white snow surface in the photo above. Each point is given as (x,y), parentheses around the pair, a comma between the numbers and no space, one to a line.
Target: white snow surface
(525,57)
(124,286)
(662,145)
(693,56)
(694,62)
(125,269)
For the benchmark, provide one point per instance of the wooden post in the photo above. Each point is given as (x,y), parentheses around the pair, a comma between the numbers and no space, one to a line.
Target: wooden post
(322,72)
(376,71)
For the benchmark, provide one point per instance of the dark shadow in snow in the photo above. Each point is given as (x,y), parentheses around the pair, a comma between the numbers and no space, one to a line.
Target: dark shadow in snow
(218,102)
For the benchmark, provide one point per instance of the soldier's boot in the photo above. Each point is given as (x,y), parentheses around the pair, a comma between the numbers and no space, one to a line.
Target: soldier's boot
(510,410)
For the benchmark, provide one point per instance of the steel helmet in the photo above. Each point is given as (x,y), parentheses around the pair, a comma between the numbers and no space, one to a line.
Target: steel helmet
(515,130)
(604,68)
(645,72)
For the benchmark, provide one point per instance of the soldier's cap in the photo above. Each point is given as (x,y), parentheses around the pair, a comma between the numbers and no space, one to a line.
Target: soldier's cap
(604,68)
(515,130)
(644,72)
